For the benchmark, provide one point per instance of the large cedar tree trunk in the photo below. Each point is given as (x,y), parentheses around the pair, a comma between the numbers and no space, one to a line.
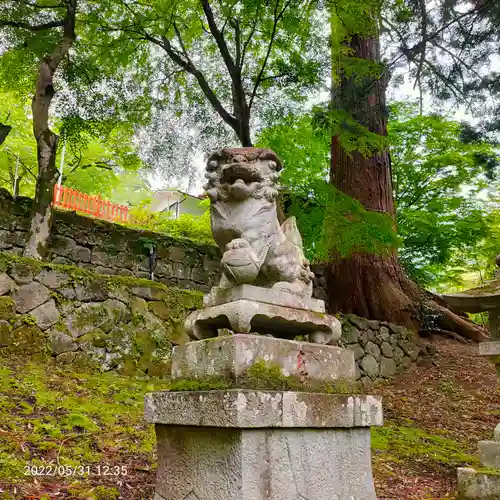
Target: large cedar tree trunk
(42,211)
(369,285)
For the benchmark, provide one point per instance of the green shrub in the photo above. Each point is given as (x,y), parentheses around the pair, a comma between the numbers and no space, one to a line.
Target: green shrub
(193,227)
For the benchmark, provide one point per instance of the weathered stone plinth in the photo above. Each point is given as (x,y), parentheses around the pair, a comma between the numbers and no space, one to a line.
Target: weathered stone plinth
(248,444)
(246,308)
(489,454)
(263,445)
(218,296)
(233,356)
(491,350)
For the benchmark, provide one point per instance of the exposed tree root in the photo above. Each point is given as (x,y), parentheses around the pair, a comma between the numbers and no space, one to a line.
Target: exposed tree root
(377,287)
(453,335)
(449,321)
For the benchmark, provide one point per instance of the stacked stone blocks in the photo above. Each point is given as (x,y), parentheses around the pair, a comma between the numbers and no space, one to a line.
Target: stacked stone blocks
(262,444)
(76,318)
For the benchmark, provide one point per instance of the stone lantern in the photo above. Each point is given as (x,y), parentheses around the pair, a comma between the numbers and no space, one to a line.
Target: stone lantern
(483,483)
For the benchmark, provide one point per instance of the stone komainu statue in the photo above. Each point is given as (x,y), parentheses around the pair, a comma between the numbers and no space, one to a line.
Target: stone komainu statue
(243,188)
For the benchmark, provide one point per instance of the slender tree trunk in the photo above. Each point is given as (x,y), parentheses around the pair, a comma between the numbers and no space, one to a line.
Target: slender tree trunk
(42,211)
(4,132)
(242,130)
(245,138)
(242,115)
(369,285)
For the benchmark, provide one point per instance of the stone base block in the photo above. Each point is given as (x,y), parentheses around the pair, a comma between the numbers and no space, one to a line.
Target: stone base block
(489,454)
(273,296)
(478,485)
(231,357)
(258,445)
(245,316)
(250,409)
(262,464)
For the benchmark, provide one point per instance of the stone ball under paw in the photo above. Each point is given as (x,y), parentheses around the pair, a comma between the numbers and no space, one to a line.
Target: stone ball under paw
(239,265)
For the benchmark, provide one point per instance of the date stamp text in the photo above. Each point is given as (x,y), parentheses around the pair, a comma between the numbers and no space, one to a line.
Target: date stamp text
(75,470)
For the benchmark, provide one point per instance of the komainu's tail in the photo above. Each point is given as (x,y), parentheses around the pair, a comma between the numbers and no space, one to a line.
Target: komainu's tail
(291,231)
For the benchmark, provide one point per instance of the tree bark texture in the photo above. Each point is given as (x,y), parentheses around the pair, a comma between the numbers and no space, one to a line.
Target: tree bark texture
(42,211)
(376,286)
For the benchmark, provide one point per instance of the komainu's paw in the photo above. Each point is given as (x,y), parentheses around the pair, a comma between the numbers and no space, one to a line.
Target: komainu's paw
(237,243)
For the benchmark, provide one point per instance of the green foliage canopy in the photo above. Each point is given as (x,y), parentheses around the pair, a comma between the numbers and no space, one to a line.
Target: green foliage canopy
(93,164)
(220,67)
(441,177)
(441,192)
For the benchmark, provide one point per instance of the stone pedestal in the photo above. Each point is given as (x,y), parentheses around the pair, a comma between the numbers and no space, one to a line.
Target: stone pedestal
(246,444)
(484,484)
(247,308)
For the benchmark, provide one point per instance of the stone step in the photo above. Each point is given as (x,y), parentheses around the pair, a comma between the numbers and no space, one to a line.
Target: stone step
(489,454)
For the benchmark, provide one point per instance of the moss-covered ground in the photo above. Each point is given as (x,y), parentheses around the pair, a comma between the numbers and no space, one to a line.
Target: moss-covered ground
(434,416)
(86,430)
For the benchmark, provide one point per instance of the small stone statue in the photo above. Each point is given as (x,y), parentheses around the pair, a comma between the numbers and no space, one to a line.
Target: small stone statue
(243,188)
(266,284)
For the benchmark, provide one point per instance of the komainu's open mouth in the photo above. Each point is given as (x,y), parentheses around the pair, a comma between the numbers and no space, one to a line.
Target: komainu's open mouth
(242,171)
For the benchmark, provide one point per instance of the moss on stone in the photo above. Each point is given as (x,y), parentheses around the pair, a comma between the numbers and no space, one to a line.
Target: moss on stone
(24,266)
(7,308)
(186,298)
(486,471)
(129,367)
(97,315)
(27,340)
(96,338)
(160,309)
(85,362)
(201,384)
(142,336)
(176,332)
(268,376)
(28,319)
(265,376)
(5,334)
(143,343)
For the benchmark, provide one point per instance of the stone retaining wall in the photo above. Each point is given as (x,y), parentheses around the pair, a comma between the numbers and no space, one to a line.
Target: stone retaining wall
(381,349)
(76,318)
(112,249)
(320,288)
